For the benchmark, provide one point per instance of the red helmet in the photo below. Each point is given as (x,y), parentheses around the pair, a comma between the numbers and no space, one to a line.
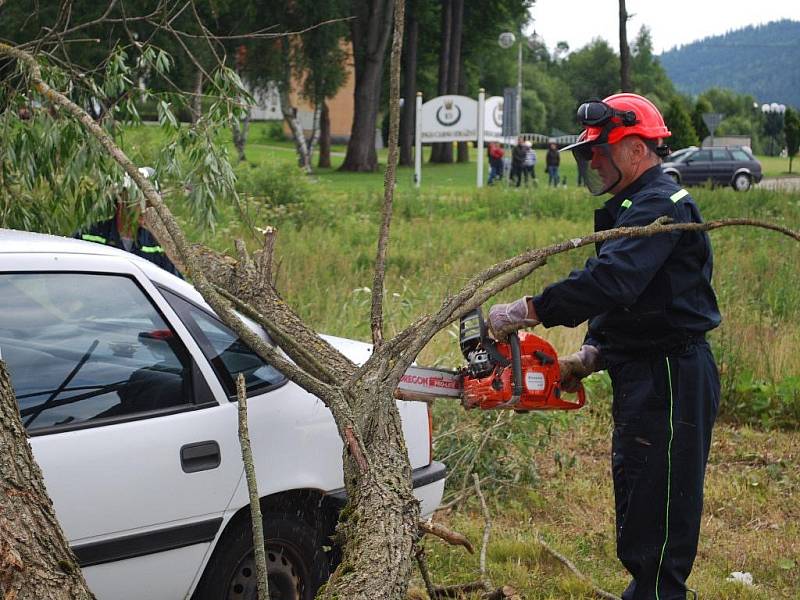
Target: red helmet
(621,115)
(608,121)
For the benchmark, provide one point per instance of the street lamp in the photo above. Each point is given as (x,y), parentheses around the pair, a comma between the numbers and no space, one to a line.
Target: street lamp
(773,113)
(506,40)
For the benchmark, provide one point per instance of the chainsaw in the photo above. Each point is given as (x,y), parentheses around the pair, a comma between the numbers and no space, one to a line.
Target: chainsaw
(521,373)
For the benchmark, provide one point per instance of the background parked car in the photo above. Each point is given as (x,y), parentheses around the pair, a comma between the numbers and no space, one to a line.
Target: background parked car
(734,166)
(125,384)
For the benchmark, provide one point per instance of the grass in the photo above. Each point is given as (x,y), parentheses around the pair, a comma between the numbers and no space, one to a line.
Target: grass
(548,474)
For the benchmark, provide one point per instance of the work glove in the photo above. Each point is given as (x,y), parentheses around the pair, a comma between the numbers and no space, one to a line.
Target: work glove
(507,318)
(578,365)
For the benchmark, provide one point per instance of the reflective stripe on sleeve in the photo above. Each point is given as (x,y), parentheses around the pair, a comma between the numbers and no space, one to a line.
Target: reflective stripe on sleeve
(678,195)
(152,249)
(94,238)
(626,204)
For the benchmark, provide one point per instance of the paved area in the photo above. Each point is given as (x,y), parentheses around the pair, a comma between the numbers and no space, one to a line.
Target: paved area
(786,184)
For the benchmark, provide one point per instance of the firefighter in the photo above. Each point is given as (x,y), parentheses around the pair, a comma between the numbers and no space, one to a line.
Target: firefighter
(124,230)
(649,303)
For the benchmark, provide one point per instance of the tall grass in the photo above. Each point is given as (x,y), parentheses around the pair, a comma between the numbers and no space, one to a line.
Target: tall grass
(547,474)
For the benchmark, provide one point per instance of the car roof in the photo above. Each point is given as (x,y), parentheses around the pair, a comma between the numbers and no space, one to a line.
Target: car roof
(13,241)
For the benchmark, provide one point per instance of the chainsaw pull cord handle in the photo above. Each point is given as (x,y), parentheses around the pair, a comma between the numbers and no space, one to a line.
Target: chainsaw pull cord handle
(516,368)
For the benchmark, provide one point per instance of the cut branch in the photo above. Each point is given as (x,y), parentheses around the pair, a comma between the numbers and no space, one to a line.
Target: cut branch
(451,537)
(252,488)
(599,592)
(500,276)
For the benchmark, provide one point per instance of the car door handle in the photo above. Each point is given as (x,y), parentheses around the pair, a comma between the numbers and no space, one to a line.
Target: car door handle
(200,456)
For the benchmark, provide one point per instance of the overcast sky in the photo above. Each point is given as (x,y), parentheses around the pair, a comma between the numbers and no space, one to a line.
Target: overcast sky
(671,22)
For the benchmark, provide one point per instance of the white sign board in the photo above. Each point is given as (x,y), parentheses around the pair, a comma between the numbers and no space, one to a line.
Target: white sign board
(493,120)
(449,119)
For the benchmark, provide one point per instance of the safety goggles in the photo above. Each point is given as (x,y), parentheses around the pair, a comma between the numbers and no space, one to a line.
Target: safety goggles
(596,113)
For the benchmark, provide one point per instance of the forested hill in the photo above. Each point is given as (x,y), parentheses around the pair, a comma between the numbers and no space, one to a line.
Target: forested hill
(763,61)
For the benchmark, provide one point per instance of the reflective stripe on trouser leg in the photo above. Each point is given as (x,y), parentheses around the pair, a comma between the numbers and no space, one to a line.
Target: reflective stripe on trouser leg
(669,474)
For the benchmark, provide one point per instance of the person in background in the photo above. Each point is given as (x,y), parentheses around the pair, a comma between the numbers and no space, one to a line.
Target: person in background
(495,152)
(530,163)
(553,162)
(649,303)
(518,154)
(124,230)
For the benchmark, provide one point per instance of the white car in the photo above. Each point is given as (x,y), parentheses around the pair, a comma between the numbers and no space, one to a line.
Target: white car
(125,383)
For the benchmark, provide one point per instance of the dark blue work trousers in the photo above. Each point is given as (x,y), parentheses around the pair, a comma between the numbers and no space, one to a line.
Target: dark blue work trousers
(664,409)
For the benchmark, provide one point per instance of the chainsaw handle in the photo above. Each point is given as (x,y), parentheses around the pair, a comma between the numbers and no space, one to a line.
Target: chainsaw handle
(516,367)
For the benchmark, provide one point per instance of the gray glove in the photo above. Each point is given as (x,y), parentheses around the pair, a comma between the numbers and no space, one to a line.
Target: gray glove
(578,365)
(507,318)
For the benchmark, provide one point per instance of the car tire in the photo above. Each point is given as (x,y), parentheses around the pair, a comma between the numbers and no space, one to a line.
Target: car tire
(675,177)
(742,182)
(297,564)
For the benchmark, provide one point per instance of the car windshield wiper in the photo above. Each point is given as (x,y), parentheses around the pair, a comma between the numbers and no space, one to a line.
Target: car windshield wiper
(70,376)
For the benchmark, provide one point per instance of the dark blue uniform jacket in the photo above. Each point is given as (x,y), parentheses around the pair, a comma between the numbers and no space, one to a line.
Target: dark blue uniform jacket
(645,294)
(145,244)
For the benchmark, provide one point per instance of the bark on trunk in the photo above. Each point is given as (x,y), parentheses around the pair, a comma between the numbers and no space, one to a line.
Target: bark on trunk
(36,562)
(324,137)
(197,100)
(290,113)
(240,131)
(410,85)
(463,147)
(299,137)
(370,34)
(624,50)
(380,522)
(443,152)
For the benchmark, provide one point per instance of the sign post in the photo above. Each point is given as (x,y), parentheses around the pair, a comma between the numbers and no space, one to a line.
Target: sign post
(418,142)
(481,126)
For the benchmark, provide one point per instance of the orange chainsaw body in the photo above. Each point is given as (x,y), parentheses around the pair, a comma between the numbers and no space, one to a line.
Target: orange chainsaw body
(539,387)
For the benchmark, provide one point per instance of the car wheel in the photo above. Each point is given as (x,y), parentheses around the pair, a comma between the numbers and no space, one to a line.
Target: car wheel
(297,565)
(741,183)
(674,176)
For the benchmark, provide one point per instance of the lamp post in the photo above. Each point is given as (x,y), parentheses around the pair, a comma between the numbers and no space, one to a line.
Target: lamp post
(505,41)
(773,113)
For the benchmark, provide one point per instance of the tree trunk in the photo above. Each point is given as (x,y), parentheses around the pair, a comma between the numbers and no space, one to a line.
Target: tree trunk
(443,152)
(36,562)
(324,137)
(197,99)
(312,140)
(463,147)
(240,131)
(382,514)
(624,50)
(370,34)
(410,85)
(290,112)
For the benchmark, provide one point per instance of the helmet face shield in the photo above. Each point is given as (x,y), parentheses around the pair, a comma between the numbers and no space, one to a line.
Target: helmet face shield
(597,167)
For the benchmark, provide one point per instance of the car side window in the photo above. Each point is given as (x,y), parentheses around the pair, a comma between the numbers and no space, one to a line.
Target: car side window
(87,348)
(739,155)
(701,155)
(228,355)
(720,154)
